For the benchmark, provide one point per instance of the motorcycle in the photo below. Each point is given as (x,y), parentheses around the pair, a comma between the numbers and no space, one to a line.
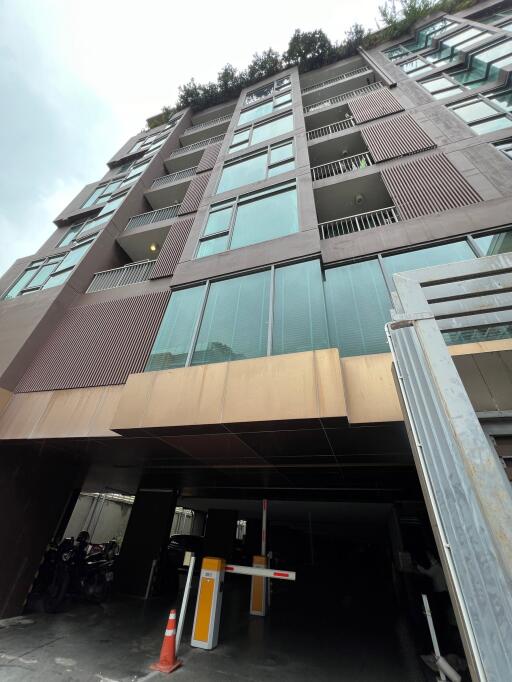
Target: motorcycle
(77,568)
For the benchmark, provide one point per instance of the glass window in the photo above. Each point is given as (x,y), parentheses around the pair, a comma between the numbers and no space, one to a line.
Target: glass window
(505,147)
(281,168)
(243,172)
(461,37)
(260,93)
(474,111)
(492,244)
(300,321)
(240,139)
(437,84)
(111,188)
(219,218)
(174,337)
(281,152)
(57,279)
(209,247)
(491,125)
(266,217)
(283,99)
(447,93)
(503,99)
(93,197)
(273,128)
(283,82)
(73,256)
(255,112)
(412,65)
(358,307)
(495,52)
(507,26)
(22,282)
(394,53)
(249,169)
(422,258)
(71,234)
(43,274)
(235,320)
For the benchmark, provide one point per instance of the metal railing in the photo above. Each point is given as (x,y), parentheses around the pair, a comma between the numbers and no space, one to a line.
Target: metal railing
(340,166)
(331,128)
(206,124)
(120,277)
(196,145)
(336,79)
(357,223)
(173,177)
(153,216)
(343,97)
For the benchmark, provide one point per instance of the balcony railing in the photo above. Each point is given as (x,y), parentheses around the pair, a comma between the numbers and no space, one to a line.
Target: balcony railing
(207,124)
(345,165)
(332,128)
(153,216)
(196,145)
(342,98)
(336,79)
(357,223)
(173,177)
(120,277)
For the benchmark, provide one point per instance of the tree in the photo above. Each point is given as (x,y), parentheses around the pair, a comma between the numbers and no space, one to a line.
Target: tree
(309,50)
(264,65)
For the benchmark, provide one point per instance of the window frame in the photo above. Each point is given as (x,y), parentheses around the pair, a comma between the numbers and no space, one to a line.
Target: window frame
(275,107)
(236,201)
(500,112)
(260,152)
(278,85)
(250,129)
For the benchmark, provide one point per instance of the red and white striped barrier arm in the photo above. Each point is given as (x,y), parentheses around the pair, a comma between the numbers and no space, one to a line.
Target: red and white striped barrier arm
(263,572)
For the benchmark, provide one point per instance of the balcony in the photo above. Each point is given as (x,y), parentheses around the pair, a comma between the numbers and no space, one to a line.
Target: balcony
(153,217)
(344,165)
(338,85)
(120,277)
(358,222)
(169,189)
(201,131)
(355,205)
(344,97)
(189,155)
(331,128)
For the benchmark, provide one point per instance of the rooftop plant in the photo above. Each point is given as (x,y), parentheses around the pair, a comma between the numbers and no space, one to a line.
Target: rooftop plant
(307,50)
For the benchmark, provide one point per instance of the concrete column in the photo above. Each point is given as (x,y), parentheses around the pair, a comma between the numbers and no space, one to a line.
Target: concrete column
(37,491)
(145,540)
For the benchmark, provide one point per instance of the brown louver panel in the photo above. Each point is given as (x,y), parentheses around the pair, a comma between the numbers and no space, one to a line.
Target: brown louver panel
(98,344)
(394,137)
(194,194)
(427,185)
(172,249)
(374,105)
(209,157)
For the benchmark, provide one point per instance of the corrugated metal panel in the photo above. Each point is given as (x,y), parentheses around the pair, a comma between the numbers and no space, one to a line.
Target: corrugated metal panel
(394,137)
(209,157)
(194,194)
(427,185)
(172,249)
(98,344)
(375,104)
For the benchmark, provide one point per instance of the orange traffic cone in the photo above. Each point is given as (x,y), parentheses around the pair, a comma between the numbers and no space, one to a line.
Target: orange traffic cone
(168,661)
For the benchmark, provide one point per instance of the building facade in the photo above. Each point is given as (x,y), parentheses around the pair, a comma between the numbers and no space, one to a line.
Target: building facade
(210,315)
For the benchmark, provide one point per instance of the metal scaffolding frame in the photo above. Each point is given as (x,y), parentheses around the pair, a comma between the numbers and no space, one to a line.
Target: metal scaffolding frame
(467,493)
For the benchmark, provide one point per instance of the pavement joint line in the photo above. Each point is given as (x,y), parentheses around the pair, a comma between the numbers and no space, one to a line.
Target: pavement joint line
(147,677)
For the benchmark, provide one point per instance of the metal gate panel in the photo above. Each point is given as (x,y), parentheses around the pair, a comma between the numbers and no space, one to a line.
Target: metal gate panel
(395,137)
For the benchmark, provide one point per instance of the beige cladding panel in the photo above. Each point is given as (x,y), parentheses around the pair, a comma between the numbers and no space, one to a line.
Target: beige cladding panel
(73,413)
(295,386)
(370,389)
(309,385)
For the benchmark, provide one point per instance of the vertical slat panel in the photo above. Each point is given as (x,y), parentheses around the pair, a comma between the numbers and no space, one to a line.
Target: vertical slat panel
(98,344)
(209,157)
(194,194)
(427,185)
(374,105)
(172,249)
(395,137)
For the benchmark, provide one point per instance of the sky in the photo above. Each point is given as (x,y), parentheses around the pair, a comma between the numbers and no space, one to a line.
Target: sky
(78,77)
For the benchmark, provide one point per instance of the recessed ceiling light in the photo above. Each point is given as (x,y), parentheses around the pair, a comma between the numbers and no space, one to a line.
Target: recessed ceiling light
(153,247)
